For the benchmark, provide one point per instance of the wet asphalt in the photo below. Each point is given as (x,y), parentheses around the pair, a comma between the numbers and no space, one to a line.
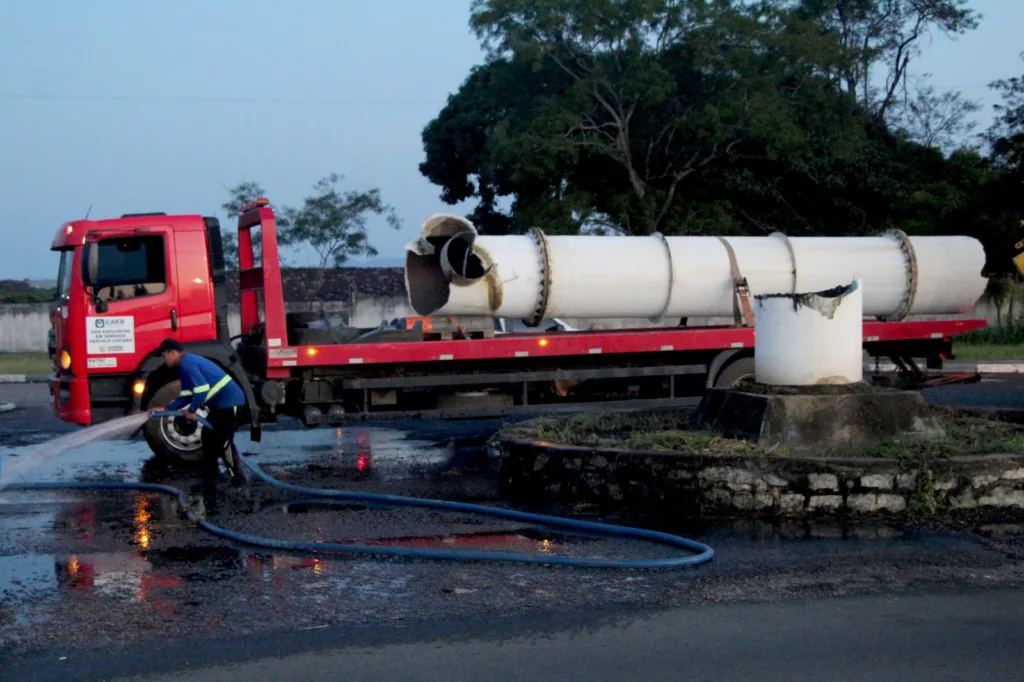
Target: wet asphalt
(108,586)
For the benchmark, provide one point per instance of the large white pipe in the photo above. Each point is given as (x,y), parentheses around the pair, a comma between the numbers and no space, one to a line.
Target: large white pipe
(810,339)
(453,270)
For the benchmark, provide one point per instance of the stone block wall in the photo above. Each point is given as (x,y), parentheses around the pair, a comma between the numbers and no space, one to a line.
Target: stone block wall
(706,485)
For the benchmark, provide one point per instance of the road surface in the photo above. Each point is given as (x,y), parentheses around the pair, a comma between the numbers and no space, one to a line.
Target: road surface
(101,587)
(919,638)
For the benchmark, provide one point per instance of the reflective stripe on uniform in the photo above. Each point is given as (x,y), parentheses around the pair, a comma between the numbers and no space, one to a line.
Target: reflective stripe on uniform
(225,380)
(186,393)
(201,389)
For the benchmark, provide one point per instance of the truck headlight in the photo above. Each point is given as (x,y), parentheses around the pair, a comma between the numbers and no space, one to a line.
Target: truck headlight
(65,360)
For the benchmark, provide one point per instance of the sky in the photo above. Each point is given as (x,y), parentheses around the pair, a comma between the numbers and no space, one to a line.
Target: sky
(126,106)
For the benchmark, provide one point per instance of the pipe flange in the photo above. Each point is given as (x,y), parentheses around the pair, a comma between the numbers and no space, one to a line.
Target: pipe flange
(911,291)
(545,272)
(671,279)
(792,256)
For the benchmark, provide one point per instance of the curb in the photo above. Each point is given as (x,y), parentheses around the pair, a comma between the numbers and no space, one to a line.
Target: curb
(1002,368)
(24,378)
(953,367)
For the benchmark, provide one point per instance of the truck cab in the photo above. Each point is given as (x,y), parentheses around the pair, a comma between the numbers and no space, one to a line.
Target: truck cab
(124,285)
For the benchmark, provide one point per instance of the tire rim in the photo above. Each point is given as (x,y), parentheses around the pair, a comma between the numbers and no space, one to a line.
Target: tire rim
(179,435)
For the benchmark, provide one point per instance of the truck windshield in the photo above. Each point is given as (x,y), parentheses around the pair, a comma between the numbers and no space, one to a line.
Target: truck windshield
(67,258)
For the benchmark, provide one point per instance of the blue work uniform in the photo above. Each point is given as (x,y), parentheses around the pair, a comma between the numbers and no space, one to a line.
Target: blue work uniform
(204,383)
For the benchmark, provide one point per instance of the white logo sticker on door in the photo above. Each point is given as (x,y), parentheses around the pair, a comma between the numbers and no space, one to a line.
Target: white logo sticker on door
(108,335)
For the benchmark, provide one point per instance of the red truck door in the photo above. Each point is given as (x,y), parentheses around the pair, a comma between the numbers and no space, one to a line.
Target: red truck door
(135,281)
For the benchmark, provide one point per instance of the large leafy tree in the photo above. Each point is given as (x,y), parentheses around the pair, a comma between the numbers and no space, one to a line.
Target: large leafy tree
(639,115)
(707,116)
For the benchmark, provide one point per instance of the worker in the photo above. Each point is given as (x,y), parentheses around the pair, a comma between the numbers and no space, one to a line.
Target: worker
(205,385)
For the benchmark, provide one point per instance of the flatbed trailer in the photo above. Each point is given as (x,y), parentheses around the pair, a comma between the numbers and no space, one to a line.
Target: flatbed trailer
(288,365)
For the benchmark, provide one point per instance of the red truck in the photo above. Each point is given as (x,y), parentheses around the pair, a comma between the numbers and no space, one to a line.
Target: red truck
(127,283)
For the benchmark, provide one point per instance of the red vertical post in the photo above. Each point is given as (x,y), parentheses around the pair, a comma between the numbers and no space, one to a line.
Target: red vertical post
(273,287)
(250,314)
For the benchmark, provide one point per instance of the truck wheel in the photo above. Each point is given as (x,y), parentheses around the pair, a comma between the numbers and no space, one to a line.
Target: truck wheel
(173,439)
(736,373)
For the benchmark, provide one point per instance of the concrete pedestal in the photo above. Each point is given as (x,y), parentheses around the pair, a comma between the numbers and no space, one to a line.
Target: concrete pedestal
(836,419)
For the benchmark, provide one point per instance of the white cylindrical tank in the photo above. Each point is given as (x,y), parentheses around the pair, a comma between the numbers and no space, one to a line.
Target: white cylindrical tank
(810,339)
(453,270)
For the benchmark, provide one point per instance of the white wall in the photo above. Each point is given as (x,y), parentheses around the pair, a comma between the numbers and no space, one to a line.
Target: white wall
(23,327)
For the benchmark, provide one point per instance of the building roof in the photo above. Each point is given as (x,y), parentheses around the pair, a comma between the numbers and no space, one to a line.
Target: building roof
(338,284)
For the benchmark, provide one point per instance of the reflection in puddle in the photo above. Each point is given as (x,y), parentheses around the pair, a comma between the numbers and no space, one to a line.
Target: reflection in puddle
(813,529)
(516,541)
(355,453)
(118,576)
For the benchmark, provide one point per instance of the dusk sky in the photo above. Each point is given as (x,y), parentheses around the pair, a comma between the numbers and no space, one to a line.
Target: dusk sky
(159,106)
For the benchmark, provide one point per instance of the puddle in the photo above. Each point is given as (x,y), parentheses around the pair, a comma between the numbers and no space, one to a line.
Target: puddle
(93,522)
(165,579)
(349,453)
(353,453)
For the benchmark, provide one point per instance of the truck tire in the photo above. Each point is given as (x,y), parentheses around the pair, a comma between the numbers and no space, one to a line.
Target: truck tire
(737,372)
(174,440)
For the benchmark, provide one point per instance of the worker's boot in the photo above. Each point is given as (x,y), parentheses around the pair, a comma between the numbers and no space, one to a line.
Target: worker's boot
(234,466)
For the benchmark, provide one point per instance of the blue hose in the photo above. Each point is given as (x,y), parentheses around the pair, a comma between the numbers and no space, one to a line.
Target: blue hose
(699,552)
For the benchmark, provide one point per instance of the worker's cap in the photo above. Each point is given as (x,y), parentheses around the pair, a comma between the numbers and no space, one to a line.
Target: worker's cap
(170,344)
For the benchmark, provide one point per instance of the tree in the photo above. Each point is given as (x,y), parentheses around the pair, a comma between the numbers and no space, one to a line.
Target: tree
(241,194)
(492,141)
(1004,190)
(334,224)
(937,119)
(630,115)
(1006,136)
(716,117)
(886,34)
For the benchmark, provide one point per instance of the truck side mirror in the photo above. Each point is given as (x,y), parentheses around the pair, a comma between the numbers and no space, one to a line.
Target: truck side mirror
(90,263)
(90,273)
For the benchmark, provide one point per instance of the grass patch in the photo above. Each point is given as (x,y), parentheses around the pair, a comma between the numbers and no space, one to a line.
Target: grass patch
(25,363)
(661,431)
(1010,335)
(991,343)
(966,434)
(988,352)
